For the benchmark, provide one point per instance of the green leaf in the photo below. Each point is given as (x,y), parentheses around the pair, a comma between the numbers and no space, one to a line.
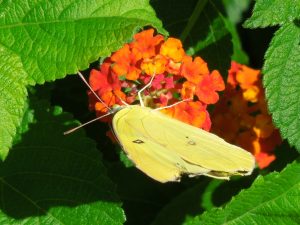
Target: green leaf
(201,26)
(273,12)
(211,38)
(273,199)
(45,40)
(59,37)
(238,53)
(12,98)
(282,81)
(204,196)
(234,10)
(49,178)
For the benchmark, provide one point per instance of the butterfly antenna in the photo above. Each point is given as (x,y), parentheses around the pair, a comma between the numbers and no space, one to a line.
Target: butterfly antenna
(87,84)
(169,106)
(146,86)
(84,124)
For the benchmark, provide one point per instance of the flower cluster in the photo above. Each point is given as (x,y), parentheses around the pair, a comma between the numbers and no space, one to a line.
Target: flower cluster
(177,77)
(241,115)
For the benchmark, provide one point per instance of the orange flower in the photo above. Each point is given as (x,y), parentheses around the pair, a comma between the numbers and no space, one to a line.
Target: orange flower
(251,94)
(246,121)
(104,80)
(173,67)
(255,131)
(126,63)
(231,79)
(110,98)
(100,107)
(264,159)
(226,126)
(145,45)
(238,105)
(247,76)
(247,140)
(217,80)
(193,113)
(177,76)
(194,70)
(207,87)
(155,65)
(172,48)
(263,126)
(188,90)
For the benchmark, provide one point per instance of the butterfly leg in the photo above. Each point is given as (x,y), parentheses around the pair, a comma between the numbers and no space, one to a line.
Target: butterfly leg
(146,86)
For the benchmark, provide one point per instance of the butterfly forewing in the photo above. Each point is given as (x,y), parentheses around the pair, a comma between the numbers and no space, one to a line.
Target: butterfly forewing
(150,157)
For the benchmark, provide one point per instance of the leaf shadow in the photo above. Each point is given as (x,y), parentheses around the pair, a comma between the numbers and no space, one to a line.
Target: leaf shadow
(47,169)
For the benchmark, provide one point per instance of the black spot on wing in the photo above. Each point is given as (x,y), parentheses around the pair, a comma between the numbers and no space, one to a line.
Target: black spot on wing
(138,141)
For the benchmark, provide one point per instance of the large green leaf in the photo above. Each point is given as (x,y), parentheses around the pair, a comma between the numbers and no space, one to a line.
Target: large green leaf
(49,178)
(45,40)
(282,81)
(12,98)
(273,199)
(273,12)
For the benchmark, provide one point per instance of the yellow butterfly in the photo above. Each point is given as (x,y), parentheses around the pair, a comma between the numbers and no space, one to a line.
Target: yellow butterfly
(165,148)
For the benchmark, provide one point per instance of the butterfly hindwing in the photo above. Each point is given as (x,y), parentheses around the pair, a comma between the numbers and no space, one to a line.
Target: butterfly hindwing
(199,147)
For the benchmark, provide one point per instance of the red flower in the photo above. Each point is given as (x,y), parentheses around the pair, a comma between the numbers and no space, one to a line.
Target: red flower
(162,82)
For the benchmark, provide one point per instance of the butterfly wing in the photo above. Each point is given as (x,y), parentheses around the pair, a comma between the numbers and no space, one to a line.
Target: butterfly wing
(165,148)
